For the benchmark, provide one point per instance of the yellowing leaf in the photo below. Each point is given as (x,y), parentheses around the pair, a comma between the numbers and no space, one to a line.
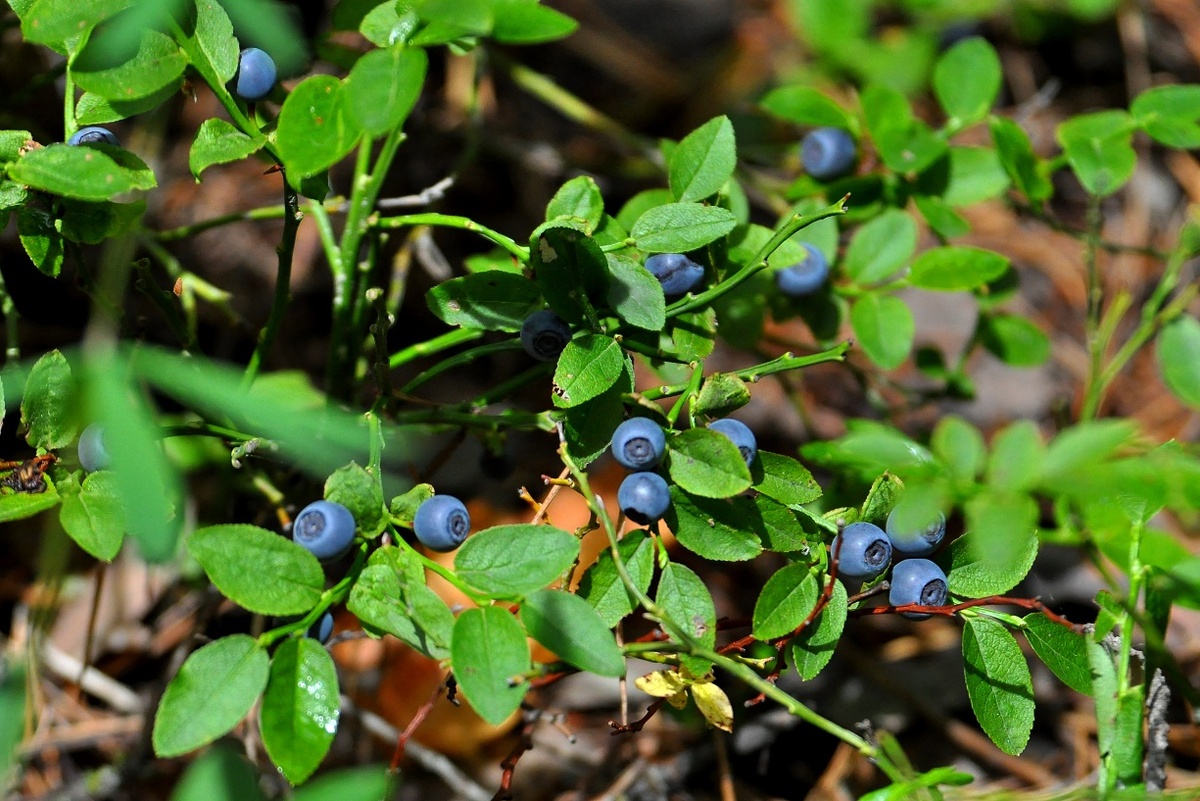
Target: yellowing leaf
(662,683)
(714,704)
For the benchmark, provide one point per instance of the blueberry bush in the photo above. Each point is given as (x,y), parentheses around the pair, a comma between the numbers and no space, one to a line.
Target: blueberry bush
(296,495)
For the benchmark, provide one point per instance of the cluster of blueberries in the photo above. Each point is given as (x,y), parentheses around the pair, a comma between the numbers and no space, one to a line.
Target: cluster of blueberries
(639,444)
(254,80)
(865,551)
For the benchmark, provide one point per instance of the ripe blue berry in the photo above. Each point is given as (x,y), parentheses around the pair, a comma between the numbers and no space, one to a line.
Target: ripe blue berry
(920,541)
(93,455)
(828,153)
(677,273)
(322,629)
(917,581)
(644,497)
(638,443)
(741,435)
(442,523)
(805,277)
(255,76)
(544,335)
(326,528)
(863,553)
(91,135)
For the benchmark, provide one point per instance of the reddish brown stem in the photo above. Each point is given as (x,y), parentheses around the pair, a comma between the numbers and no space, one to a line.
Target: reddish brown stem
(949,610)
(509,765)
(411,728)
(640,723)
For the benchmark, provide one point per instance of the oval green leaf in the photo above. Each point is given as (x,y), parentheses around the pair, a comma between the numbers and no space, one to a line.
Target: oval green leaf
(514,560)
(315,127)
(299,712)
(958,268)
(785,601)
(574,631)
(490,659)
(707,463)
(702,163)
(998,684)
(258,569)
(884,327)
(681,227)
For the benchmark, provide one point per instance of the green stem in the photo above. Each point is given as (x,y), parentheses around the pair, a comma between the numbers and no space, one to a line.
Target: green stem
(331,597)
(446,573)
(464,358)
(12,345)
(470,418)
(456,336)
(283,283)
(693,385)
(455,221)
(508,386)
(756,264)
(783,364)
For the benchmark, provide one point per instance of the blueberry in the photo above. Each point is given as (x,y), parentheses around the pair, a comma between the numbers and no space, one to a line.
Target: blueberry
(326,528)
(920,541)
(644,497)
(93,454)
(864,551)
(677,273)
(741,435)
(442,523)
(255,76)
(92,135)
(828,153)
(638,443)
(805,277)
(917,581)
(544,335)
(322,629)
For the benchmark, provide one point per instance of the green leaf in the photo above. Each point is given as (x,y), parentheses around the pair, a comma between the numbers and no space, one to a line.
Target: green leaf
(94,517)
(804,105)
(681,227)
(966,80)
(1083,445)
(636,295)
(974,174)
(1099,148)
(571,271)
(87,172)
(383,86)
(601,585)
(20,505)
(1014,339)
(385,26)
(315,126)
(944,220)
(1176,349)
(588,427)
(369,783)
(707,463)
(642,202)
(52,22)
(1018,159)
(785,601)
(408,610)
(960,447)
(813,647)
(885,491)
(92,223)
(93,109)
(703,161)
(721,394)
(884,328)
(212,48)
(998,684)
(574,631)
(46,406)
(578,200)
(490,659)
(493,301)
(880,247)
(687,602)
(40,235)
(782,531)
(1016,460)
(299,712)
(587,367)
(218,142)
(996,552)
(157,63)
(356,489)
(954,269)
(1063,651)
(515,559)
(221,773)
(905,144)
(784,479)
(211,693)
(528,22)
(239,557)
(693,334)
(722,529)
(1170,115)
